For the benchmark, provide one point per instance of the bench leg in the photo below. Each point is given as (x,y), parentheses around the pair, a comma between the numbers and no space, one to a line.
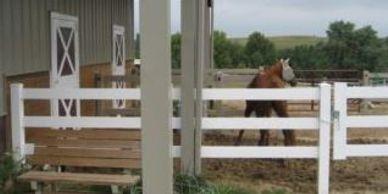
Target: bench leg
(116,189)
(54,188)
(37,187)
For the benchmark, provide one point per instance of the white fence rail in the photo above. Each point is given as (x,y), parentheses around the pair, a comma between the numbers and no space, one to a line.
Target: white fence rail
(20,121)
(322,123)
(343,121)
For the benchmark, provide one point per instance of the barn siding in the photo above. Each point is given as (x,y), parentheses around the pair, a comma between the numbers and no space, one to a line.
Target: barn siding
(25,32)
(2,96)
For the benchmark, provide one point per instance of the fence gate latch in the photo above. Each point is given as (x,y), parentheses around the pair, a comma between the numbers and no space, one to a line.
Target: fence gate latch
(335,114)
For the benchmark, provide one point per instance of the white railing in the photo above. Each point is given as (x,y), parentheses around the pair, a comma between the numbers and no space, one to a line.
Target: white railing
(20,121)
(343,121)
(321,123)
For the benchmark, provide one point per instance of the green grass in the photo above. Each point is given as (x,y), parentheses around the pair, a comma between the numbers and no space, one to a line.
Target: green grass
(186,184)
(227,189)
(284,42)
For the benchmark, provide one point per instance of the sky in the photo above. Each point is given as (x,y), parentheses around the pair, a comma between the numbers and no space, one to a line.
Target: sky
(239,18)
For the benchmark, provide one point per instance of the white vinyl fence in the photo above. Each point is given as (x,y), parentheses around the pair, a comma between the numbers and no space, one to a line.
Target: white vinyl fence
(20,121)
(321,124)
(343,121)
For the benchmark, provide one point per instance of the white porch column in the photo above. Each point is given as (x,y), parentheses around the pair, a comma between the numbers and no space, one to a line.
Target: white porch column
(156,104)
(194,58)
(188,62)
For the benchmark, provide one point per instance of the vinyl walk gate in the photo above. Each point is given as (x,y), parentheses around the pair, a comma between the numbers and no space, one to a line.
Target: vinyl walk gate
(343,121)
(321,124)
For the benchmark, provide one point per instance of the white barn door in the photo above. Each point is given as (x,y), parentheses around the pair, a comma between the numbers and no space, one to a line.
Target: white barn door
(64,62)
(118,62)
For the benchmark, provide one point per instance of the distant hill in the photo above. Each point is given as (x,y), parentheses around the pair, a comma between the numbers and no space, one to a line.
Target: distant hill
(283,42)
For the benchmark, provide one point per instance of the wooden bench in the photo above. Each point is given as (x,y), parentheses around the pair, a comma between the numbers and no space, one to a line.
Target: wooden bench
(109,154)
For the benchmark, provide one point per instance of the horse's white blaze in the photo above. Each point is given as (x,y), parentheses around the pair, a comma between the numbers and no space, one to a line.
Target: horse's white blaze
(288,72)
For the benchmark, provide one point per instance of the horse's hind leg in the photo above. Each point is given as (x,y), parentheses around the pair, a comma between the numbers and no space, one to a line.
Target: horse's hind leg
(250,105)
(264,138)
(239,138)
(263,110)
(280,108)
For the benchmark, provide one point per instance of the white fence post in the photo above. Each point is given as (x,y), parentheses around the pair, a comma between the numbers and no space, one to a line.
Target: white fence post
(340,113)
(324,138)
(366,81)
(17,114)
(366,78)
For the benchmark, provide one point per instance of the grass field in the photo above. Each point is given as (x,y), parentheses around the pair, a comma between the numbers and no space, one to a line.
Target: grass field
(283,42)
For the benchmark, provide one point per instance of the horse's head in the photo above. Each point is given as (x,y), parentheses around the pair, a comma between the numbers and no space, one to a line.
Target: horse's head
(287,72)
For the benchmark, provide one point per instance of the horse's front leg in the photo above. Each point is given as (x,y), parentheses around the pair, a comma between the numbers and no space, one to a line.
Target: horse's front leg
(264,111)
(289,137)
(250,107)
(280,108)
(264,138)
(239,138)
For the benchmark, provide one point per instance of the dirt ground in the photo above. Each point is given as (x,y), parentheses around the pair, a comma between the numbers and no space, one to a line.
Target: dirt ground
(354,175)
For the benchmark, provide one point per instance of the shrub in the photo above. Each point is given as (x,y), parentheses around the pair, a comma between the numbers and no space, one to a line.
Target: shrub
(9,170)
(187,184)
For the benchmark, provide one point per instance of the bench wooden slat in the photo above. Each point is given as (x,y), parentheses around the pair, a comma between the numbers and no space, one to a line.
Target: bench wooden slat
(85,162)
(87,153)
(92,134)
(127,112)
(97,148)
(76,143)
(79,178)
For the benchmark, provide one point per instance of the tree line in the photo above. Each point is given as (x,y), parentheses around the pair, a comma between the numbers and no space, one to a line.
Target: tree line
(345,47)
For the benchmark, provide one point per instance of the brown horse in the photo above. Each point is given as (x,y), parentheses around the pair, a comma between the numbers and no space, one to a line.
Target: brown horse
(274,76)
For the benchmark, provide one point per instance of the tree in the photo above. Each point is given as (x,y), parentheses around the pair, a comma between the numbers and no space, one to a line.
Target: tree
(383,60)
(137,46)
(237,54)
(340,44)
(259,51)
(227,54)
(369,48)
(176,50)
(348,47)
(222,58)
(306,56)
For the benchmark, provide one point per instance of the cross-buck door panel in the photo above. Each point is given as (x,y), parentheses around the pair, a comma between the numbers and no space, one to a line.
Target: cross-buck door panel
(118,62)
(64,62)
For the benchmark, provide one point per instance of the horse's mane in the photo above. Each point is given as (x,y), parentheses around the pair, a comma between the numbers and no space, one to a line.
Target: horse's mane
(252,84)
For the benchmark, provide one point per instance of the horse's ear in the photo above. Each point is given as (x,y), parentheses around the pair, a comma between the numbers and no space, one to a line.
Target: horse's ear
(282,60)
(287,60)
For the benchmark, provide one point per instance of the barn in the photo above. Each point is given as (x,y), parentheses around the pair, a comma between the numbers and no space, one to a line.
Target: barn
(25,43)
